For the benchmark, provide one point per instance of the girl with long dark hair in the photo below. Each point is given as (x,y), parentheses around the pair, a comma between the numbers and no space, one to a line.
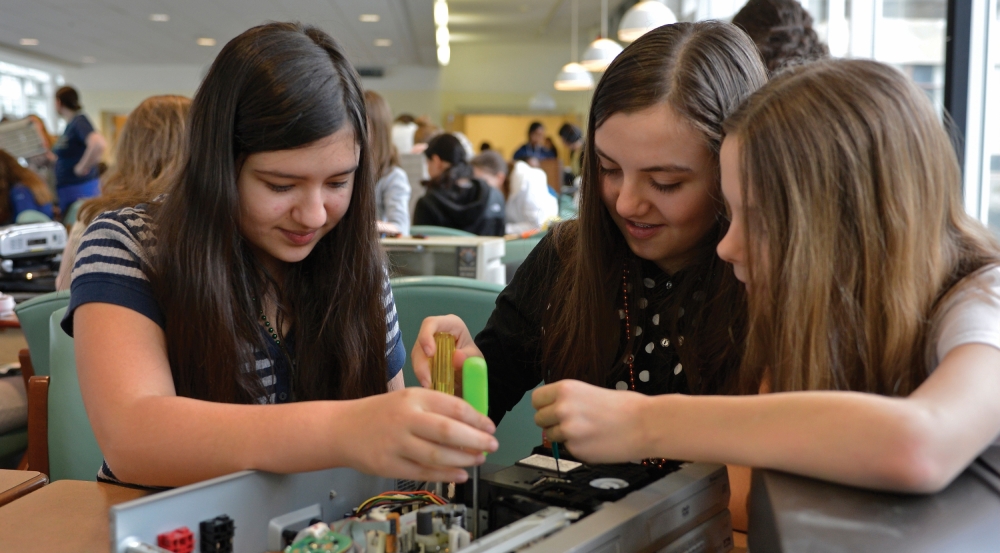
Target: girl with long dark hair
(245,321)
(631,295)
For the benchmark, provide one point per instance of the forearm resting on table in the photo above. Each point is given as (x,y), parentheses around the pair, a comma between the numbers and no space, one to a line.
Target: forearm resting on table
(851,438)
(172,441)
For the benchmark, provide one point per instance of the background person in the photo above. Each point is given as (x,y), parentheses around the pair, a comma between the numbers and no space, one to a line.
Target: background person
(535,149)
(78,151)
(454,197)
(783,32)
(392,189)
(529,205)
(21,189)
(149,157)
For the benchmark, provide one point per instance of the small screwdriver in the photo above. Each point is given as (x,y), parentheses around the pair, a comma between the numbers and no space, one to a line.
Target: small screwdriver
(555,453)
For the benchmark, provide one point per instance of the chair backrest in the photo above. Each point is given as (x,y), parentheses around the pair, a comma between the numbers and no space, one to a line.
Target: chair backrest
(73,450)
(431,230)
(472,300)
(31,216)
(70,216)
(34,318)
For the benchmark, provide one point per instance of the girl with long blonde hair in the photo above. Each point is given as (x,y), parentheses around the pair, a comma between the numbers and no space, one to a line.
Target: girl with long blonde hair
(149,156)
(874,300)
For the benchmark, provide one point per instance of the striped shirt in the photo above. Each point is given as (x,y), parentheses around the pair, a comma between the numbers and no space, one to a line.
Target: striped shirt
(112,263)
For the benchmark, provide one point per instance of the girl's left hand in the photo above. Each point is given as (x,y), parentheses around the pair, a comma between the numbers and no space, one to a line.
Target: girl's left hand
(597,425)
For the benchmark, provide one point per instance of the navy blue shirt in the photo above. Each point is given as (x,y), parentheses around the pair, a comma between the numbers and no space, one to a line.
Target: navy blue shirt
(539,152)
(70,149)
(23,199)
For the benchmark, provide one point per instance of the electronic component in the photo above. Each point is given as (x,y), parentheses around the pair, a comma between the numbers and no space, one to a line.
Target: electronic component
(180,540)
(216,535)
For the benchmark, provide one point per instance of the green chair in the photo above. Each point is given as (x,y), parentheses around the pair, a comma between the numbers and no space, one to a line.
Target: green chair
(473,301)
(70,216)
(34,318)
(431,230)
(31,216)
(73,450)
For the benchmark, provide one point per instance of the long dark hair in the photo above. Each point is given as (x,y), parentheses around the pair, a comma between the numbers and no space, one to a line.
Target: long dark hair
(703,71)
(278,86)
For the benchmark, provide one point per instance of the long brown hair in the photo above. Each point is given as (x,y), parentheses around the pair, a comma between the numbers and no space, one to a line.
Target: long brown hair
(148,156)
(275,87)
(857,228)
(703,71)
(384,154)
(12,173)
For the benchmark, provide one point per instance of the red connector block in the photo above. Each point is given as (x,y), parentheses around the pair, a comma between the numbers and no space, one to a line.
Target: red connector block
(180,540)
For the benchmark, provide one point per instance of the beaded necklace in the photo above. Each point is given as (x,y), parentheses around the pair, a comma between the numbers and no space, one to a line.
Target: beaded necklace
(267,323)
(630,359)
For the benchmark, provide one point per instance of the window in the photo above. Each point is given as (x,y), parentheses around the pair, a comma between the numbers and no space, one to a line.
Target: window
(24,90)
(992,127)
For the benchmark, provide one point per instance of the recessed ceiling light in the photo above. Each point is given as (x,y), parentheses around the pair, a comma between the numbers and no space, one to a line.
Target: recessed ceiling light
(29,42)
(384,42)
(370,17)
(206,41)
(160,17)
(88,59)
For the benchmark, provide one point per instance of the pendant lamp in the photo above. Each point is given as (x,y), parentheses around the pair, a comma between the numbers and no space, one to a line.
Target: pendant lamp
(573,75)
(602,51)
(642,18)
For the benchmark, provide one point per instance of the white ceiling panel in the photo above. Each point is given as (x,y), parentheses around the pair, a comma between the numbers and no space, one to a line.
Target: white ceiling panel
(120,31)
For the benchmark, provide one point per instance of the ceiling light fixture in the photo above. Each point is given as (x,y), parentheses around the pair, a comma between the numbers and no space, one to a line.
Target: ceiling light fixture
(599,55)
(159,17)
(370,18)
(573,75)
(441,35)
(383,42)
(206,41)
(29,42)
(642,18)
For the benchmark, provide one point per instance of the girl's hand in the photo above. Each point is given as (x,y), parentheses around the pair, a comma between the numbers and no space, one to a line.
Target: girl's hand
(418,434)
(424,348)
(597,425)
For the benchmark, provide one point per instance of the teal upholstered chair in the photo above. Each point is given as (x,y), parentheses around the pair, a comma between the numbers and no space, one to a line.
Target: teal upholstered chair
(31,216)
(70,216)
(473,301)
(517,251)
(431,230)
(34,318)
(73,450)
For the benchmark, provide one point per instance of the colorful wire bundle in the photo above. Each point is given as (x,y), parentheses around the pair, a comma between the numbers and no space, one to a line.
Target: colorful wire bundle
(400,498)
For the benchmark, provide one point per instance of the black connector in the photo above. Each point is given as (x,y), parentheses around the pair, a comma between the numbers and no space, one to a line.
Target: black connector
(217,535)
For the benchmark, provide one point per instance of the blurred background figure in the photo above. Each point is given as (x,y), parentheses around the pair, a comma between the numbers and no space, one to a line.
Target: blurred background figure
(423,135)
(79,150)
(392,191)
(529,204)
(150,152)
(572,139)
(21,189)
(454,197)
(535,149)
(783,32)
(403,130)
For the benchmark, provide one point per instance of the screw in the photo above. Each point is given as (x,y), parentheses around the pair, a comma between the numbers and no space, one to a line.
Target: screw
(333,494)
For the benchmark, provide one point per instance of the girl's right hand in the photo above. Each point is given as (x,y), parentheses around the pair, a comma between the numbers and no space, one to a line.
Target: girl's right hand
(419,435)
(424,348)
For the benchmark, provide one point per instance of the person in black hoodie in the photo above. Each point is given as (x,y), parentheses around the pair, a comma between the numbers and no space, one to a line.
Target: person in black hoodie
(454,197)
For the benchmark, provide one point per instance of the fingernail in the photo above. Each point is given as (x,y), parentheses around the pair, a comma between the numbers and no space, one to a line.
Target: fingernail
(494,445)
(427,350)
